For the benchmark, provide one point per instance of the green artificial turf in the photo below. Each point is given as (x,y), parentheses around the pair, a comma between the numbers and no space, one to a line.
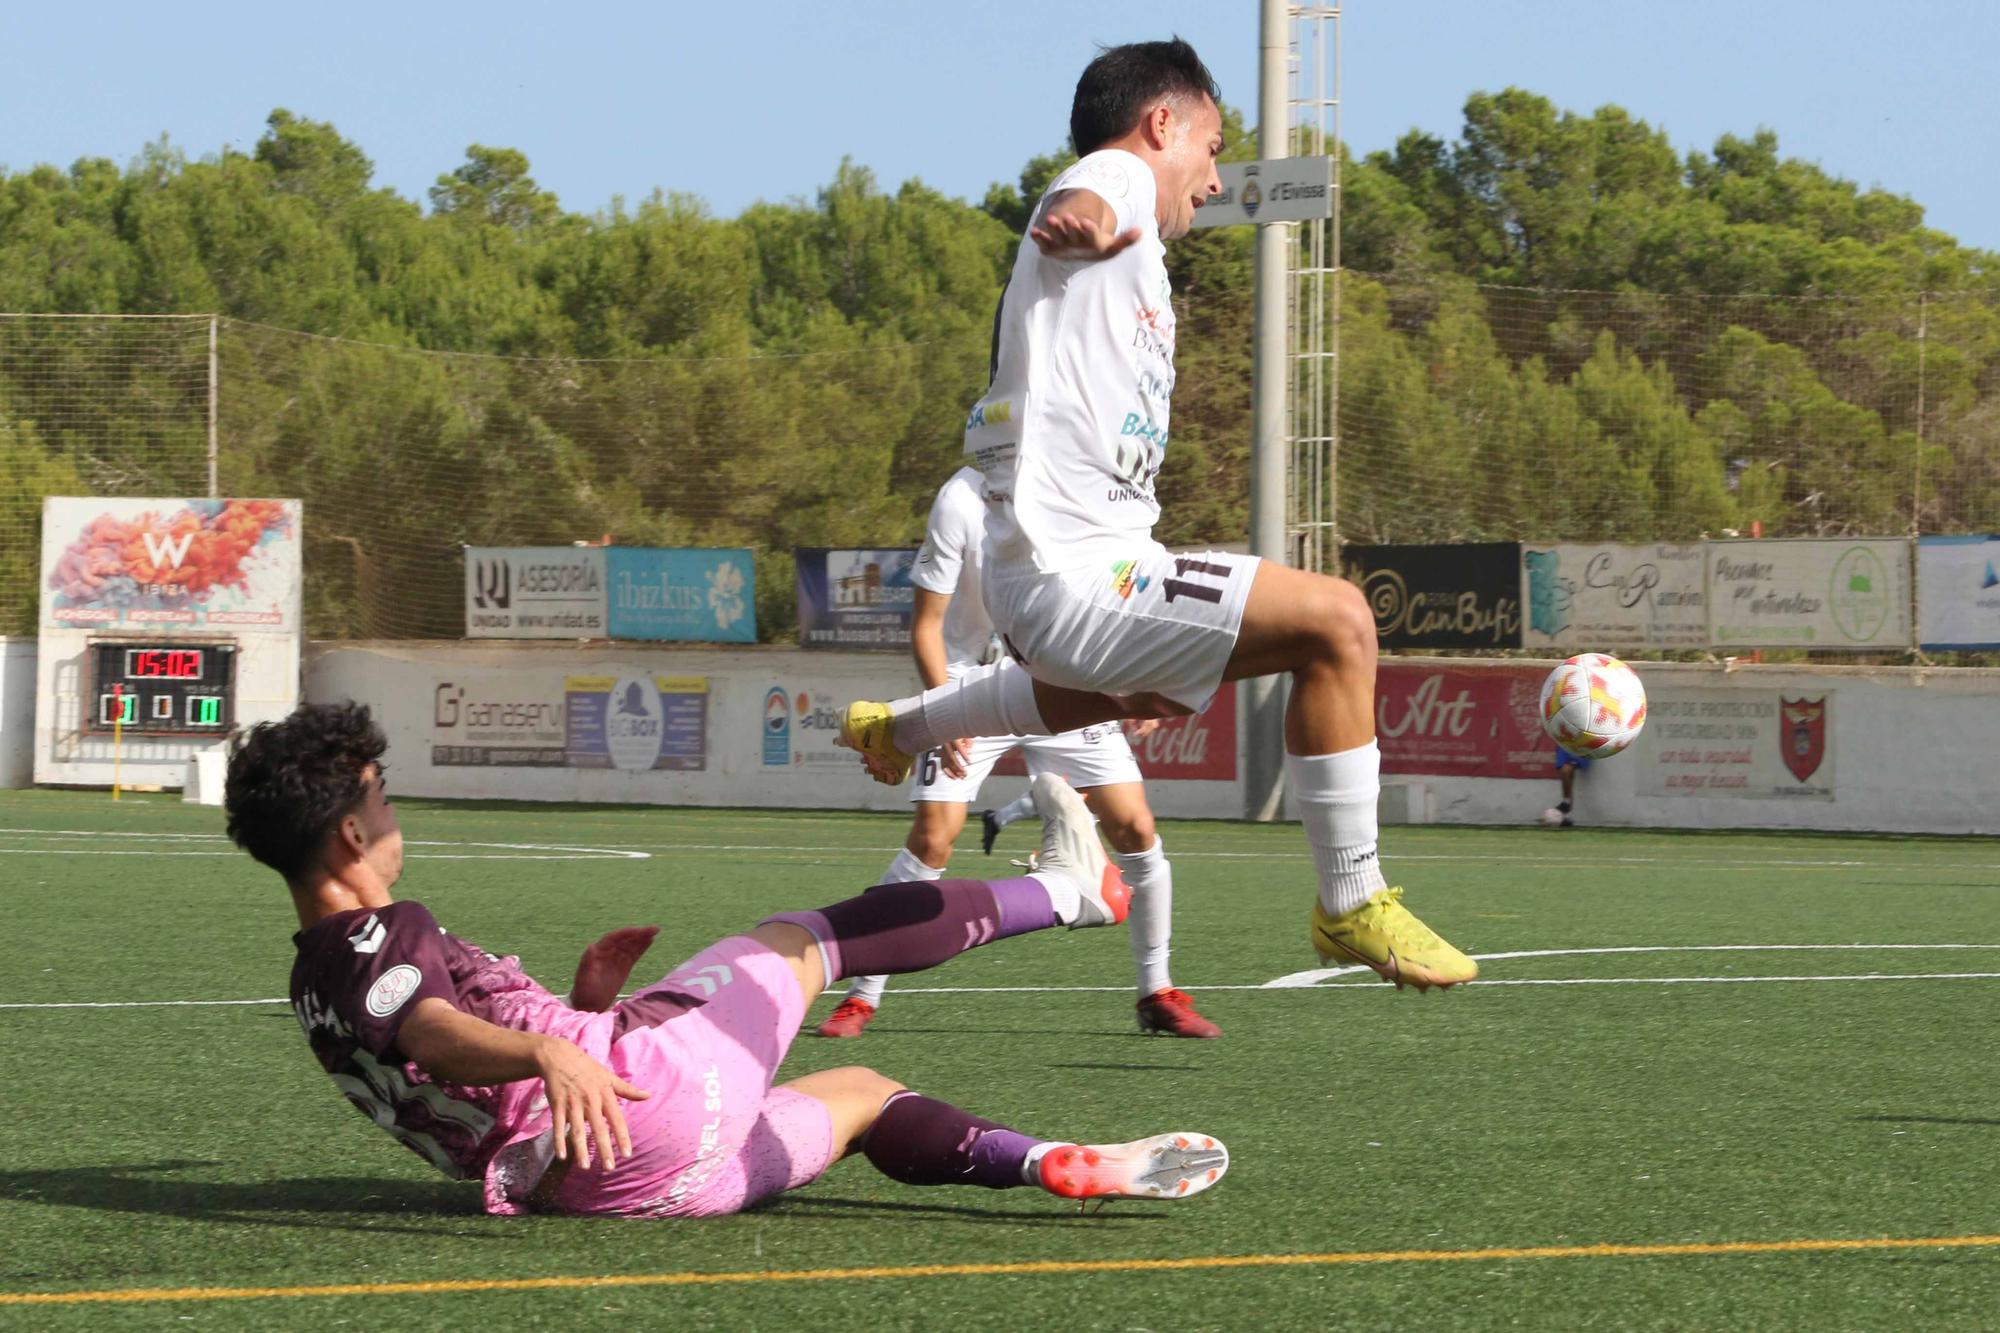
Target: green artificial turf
(199,1146)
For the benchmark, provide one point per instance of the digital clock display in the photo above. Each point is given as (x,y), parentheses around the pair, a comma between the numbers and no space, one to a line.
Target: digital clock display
(163,663)
(163,689)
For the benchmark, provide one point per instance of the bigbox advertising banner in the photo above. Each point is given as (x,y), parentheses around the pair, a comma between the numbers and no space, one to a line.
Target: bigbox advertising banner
(1809,592)
(1614,598)
(1469,722)
(702,596)
(1776,745)
(1958,592)
(534,592)
(551,719)
(1465,596)
(855,599)
(170,566)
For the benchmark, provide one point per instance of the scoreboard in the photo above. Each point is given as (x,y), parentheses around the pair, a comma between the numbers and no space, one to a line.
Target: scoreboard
(178,688)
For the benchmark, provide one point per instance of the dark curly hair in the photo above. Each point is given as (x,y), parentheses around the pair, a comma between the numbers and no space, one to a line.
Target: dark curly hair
(1124,82)
(292,782)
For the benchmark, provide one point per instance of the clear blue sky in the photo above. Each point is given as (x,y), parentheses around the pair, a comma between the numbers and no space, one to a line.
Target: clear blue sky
(737,102)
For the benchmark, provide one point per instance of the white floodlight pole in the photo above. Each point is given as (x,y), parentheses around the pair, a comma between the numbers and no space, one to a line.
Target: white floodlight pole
(1264,698)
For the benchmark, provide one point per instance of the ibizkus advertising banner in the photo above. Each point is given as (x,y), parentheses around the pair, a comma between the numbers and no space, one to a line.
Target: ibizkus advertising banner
(1614,598)
(1466,596)
(1809,592)
(689,595)
(1958,592)
(170,566)
(851,599)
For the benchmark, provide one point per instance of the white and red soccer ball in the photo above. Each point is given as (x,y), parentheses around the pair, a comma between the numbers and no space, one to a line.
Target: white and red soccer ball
(1593,705)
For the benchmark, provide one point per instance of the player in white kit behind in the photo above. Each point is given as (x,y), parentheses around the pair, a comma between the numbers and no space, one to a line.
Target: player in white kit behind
(950,634)
(1100,620)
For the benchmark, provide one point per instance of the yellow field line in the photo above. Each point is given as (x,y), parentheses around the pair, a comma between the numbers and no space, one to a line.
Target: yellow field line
(991,1270)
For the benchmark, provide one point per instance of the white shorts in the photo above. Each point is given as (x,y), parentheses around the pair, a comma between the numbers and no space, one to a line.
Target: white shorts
(1160,621)
(1088,757)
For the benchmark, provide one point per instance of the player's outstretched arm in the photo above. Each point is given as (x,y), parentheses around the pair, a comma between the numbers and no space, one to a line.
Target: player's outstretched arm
(1080,225)
(583,1094)
(602,971)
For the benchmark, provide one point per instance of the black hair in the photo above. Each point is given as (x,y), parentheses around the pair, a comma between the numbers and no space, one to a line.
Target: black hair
(1125,82)
(292,782)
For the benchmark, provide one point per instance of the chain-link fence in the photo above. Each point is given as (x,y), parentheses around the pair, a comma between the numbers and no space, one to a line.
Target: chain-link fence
(1465,413)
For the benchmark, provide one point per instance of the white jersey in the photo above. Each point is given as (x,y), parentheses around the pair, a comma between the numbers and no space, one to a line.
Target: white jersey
(949,563)
(1072,430)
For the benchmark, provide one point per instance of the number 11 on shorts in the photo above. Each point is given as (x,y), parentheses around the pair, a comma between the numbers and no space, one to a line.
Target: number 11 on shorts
(1182,586)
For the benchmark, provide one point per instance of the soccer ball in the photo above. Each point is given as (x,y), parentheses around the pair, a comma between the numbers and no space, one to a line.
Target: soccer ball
(1593,705)
(1552,818)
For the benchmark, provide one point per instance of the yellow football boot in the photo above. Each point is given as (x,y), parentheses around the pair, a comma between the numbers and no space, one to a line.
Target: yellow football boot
(866,728)
(1386,936)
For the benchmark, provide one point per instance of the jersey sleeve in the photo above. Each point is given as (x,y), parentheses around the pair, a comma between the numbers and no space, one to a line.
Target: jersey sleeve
(1115,176)
(394,959)
(941,559)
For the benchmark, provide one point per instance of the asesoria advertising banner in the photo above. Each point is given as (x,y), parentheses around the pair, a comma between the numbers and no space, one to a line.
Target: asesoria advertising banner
(170,566)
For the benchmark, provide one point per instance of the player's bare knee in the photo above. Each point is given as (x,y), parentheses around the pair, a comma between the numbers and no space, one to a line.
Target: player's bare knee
(1130,834)
(1343,625)
(931,846)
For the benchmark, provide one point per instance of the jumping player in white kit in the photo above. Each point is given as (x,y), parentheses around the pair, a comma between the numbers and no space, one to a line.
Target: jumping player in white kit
(950,634)
(1099,620)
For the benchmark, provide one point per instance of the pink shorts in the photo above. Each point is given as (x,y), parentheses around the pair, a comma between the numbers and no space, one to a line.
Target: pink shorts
(715,1136)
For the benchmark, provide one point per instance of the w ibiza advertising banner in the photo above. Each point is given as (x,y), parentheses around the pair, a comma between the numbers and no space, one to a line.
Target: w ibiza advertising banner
(1958,592)
(1614,598)
(1466,596)
(1809,592)
(171,566)
(700,596)
(534,592)
(855,599)
(1470,722)
(1776,745)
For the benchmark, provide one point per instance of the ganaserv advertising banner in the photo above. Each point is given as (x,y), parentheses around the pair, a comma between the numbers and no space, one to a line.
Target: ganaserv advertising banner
(534,592)
(1612,597)
(1809,592)
(702,596)
(855,599)
(1958,592)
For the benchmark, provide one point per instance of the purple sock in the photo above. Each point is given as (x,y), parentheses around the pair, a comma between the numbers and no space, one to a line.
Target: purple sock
(922,1141)
(896,928)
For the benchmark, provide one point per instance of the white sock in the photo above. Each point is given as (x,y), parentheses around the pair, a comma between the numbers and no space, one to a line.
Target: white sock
(1064,896)
(1031,1165)
(1337,794)
(1019,808)
(1151,877)
(907,868)
(996,700)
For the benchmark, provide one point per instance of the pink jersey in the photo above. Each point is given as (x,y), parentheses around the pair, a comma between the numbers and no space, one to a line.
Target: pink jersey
(359,974)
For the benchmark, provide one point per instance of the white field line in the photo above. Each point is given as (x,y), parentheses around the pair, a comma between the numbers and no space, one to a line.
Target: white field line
(504,851)
(1293,982)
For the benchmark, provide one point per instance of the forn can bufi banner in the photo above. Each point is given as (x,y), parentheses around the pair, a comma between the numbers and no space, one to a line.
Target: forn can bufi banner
(1465,596)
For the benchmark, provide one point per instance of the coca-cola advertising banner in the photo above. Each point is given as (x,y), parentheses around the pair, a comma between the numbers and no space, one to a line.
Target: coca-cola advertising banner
(1465,596)
(1201,748)
(1465,722)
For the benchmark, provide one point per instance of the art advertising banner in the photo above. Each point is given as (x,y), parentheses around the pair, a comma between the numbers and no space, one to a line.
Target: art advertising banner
(800,730)
(171,566)
(637,722)
(511,720)
(1614,598)
(1469,722)
(852,600)
(1958,592)
(685,595)
(534,592)
(1425,597)
(1775,745)
(1809,592)
(1199,748)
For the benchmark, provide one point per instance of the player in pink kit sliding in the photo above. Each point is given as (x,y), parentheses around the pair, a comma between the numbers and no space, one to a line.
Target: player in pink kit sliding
(662,1104)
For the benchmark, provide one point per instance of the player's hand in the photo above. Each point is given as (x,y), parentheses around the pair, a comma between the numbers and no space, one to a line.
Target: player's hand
(1141,729)
(583,1100)
(602,971)
(1064,234)
(953,755)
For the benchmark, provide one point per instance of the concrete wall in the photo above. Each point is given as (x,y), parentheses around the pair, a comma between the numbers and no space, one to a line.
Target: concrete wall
(17,712)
